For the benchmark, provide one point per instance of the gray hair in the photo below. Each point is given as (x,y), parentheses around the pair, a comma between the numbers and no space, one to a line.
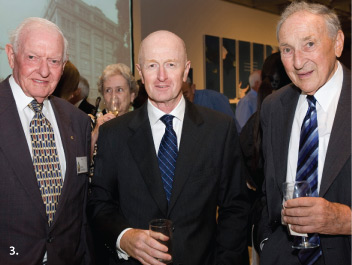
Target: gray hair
(118,69)
(331,19)
(15,35)
(84,86)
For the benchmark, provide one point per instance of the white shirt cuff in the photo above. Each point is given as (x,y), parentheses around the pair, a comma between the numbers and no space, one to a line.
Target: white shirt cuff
(121,253)
(262,244)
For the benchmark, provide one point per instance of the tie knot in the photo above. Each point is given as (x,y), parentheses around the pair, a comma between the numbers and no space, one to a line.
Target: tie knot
(35,106)
(167,120)
(311,101)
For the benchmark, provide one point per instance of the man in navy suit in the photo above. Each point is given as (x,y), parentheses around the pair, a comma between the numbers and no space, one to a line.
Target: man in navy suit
(127,187)
(31,232)
(310,41)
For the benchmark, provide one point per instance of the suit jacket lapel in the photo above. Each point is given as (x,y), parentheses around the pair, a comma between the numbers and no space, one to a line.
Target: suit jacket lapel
(189,146)
(339,148)
(282,132)
(13,142)
(67,138)
(141,145)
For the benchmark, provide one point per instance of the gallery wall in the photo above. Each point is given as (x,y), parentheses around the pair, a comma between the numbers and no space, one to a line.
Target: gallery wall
(192,20)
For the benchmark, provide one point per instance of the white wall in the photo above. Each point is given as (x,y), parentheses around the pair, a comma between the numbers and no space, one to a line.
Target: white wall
(192,19)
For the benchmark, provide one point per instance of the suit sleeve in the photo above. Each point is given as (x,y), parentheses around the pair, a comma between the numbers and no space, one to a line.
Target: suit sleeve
(103,205)
(233,203)
(264,230)
(86,236)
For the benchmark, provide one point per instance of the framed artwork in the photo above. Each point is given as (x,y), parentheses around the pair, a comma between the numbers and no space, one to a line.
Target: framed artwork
(229,62)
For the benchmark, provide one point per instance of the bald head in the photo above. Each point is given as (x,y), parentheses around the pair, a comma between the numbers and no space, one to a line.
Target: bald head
(161,37)
(255,80)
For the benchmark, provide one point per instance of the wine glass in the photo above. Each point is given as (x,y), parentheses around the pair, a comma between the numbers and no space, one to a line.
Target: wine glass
(114,105)
(293,190)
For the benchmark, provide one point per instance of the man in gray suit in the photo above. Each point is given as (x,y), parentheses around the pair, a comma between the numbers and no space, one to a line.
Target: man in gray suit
(310,40)
(44,150)
(128,189)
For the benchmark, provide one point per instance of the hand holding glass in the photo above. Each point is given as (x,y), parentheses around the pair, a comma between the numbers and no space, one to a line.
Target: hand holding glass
(293,190)
(163,226)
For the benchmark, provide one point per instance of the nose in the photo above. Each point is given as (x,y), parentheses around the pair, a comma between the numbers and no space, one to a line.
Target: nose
(298,60)
(44,68)
(162,74)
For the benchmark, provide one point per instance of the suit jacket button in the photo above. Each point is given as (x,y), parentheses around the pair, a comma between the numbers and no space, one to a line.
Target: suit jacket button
(50,239)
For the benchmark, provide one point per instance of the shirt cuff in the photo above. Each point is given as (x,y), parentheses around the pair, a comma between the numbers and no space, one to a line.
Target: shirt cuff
(121,253)
(262,244)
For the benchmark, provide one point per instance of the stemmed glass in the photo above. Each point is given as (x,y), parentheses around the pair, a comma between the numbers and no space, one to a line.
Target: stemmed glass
(114,105)
(293,190)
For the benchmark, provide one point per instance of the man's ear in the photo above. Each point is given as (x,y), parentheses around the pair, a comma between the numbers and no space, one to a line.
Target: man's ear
(340,37)
(185,73)
(10,55)
(139,68)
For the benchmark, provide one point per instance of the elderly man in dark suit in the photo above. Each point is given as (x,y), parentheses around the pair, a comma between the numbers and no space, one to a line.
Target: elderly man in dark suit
(318,149)
(129,185)
(44,145)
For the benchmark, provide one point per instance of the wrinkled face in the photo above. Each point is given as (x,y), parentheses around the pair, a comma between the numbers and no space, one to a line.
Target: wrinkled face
(38,64)
(308,53)
(116,87)
(163,68)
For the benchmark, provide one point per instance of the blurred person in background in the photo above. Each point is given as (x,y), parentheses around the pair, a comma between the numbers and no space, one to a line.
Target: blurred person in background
(79,97)
(273,77)
(248,104)
(68,83)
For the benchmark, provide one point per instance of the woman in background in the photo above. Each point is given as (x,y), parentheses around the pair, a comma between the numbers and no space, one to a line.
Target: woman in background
(118,88)
(273,77)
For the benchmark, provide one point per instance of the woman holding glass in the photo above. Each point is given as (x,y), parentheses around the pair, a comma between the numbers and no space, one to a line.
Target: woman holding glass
(118,88)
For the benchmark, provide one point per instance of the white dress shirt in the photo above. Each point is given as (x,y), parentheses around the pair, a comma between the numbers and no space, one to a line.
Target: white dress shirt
(327,99)
(158,130)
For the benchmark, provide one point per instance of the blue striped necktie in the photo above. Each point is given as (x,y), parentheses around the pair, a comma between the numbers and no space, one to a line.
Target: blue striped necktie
(45,160)
(167,155)
(307,169)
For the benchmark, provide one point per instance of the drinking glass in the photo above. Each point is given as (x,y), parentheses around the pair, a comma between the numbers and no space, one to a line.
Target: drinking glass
(114,105)
(165,227)
(293,190)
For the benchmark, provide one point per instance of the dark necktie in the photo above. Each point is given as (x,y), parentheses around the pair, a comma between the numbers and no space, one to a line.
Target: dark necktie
(45,160)
(167,155)
(307,169)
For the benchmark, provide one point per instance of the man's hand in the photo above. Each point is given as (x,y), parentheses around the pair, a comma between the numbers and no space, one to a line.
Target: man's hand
(141,246)
(317,215)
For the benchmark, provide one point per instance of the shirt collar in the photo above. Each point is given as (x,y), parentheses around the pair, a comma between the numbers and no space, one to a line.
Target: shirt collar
(21,99)
(155,114)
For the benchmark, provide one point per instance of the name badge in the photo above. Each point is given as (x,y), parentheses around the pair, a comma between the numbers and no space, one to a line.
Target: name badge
(82,164)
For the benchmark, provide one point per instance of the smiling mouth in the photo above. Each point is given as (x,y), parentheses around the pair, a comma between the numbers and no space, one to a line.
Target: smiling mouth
(162,86)
(304,75)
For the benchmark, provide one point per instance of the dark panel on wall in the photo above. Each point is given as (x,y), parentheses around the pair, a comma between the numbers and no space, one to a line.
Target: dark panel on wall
(244,62)
(269,50)
(258,56)
(229,67)
(212,63)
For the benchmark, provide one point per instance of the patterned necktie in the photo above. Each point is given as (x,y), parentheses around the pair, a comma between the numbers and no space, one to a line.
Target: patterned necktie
(307,169)
(167,155)
(45,160)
